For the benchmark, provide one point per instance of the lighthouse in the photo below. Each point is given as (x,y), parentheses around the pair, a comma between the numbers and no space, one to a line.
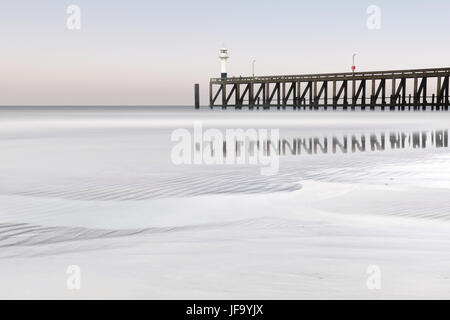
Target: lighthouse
(223,62)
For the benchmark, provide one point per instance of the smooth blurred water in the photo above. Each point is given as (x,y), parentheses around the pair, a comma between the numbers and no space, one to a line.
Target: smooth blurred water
(97,186)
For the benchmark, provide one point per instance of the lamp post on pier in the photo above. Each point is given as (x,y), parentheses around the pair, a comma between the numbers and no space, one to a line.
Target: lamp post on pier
(253,68)
(353,81)
(353,65)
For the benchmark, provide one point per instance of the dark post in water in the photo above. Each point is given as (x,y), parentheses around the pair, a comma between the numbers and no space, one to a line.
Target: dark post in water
(197,95)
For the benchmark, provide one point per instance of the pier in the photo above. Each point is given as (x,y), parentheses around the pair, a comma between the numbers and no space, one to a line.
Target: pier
(418,89)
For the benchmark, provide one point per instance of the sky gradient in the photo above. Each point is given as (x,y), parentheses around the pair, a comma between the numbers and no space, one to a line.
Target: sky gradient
(152,52)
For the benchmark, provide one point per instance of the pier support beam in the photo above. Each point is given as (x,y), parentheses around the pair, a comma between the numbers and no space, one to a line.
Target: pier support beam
(342,90)
(439,97)
(318,95)
(360,93)
(237,96)
(398,93)
(266,94)
(233,91)
(445,92)
(393,98)
(372,96)
(308,89)
(422,93)
(257,96)
(211,102)
(297,101)
(251,95)
(224,96)
(334,95)
(287,95)
(416,91)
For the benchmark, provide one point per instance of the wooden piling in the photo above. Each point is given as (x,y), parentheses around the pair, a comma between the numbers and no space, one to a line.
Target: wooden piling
(197,95)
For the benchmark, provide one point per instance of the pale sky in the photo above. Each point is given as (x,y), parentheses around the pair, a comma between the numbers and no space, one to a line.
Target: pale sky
(152,52)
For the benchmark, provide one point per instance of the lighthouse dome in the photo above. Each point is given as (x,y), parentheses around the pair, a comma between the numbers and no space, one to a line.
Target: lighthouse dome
(223,53)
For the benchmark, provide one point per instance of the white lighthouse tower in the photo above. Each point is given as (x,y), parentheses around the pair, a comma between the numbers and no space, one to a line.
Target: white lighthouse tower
(223,62)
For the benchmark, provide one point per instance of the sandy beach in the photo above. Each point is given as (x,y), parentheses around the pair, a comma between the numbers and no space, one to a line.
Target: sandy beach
(97,188)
